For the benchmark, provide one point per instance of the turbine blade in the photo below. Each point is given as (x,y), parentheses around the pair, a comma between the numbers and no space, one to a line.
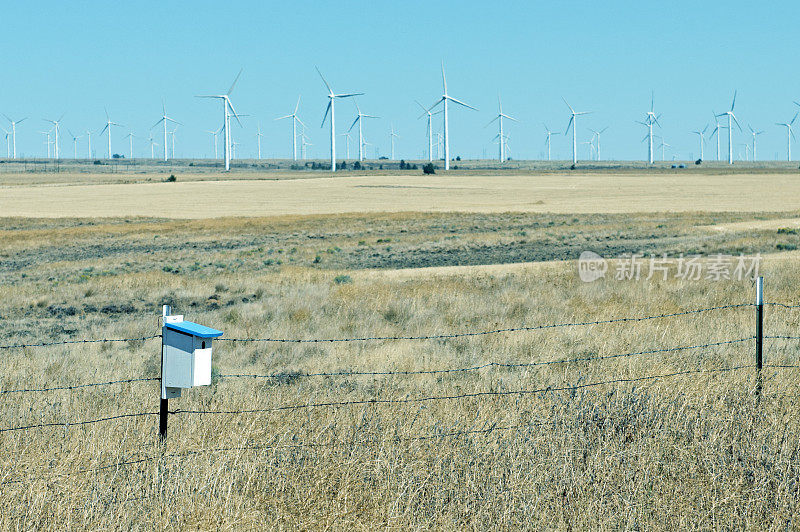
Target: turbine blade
(330,90)
(284,117)
(444,80)
(571,119)
(159,121)
(234,82)
(568,105)
(297,105)
(354,123)
(350,95)
(460,103)
(326,111)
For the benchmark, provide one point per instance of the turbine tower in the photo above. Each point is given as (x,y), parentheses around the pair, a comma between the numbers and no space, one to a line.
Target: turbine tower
(392,135)
(258,139)
(573,124)
(755,134)
(597,134)
(14,134)
(109,124)
(547,139)
(130,136)
(74,144)
(295,121)
(701,134)
(152,147)
(731,120)
(500,135)
(346,136)
(227,110)
(214,134)
(717,127)
(331,99)
(789,136)
(164,119)
(89,144)
(172,134)
(430,130)
(56,127)
(361,141)
(443,100)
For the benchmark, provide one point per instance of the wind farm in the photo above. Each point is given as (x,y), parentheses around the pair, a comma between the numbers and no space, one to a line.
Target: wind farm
(471,280)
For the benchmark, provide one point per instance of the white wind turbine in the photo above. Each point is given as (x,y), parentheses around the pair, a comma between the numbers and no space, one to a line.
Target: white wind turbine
(130,136)
(731,121)
(214,135)
(597,134)
(717,127)
(574,125)
(227,110)
(331,99)
(500,135)
(443,100)
(347,139)
(755,134)
(392,136)
(789,136)
(430,130)
(163,120)
(701,134)
(547,139)
(258,140)
(590,144)
(649,120)
(107,129)
(14,134)
(8,143)
(74,144)
(88,144)
(358,120)
(172,135)
(663,146)
(47,141)
(56,127)
(152,147)
(295,121)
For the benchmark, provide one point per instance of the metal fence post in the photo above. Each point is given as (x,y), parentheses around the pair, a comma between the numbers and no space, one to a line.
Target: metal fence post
(759,331)
(163,411)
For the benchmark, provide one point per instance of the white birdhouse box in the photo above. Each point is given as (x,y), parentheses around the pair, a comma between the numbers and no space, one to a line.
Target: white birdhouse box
(187,355)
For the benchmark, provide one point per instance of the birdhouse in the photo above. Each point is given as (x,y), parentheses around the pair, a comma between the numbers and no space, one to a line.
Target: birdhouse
(186,356)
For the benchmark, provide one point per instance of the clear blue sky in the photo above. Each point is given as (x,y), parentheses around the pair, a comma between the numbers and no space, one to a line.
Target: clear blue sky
(77,58)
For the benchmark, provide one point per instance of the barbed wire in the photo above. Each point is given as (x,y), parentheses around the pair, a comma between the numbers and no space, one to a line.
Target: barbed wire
(482,333)
(468,395)
(67,424)
(285,375)
(78,386)
(782,305)
(83,341)
(780,337)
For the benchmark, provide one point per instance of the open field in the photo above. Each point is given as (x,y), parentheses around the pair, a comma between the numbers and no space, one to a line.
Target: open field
(553,193)
(508,447)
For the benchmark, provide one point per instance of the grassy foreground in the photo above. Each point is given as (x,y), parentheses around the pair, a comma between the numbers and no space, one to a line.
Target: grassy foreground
(692,450)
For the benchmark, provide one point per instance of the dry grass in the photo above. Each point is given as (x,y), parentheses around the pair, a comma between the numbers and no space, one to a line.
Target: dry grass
(499,192)
(689,451)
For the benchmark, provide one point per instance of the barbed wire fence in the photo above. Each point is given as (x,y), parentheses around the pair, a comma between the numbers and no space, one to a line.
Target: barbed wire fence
(758,365)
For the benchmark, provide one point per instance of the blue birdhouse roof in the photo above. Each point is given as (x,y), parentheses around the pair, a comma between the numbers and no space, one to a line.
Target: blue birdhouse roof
(195,329)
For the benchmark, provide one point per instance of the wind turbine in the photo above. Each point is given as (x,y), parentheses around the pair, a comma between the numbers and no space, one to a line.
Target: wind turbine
(663,146)
(258,139)
(755,134)
(227,110)
(573,124)
(214,134)
(295,120)
(331,99)
(14,134)
(701,134)
(597,134)
(56,127)
(172,134)
(717,127)
(346,136)
(361,141)
(430,130)
(109,123)
(502,139)
(47,141)
(789,136)
(731,120)
(649,120)
(547,140)
(89,144)
(130,136)
(392,135)
(443,100)
(164,119)
(152,147)
(74,144)
(590,144)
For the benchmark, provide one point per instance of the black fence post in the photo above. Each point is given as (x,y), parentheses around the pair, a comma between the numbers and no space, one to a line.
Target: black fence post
(163,410)
(759,331)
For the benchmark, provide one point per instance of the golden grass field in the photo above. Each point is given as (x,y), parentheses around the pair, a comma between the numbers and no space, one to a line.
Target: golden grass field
(562,193)
(571,445)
